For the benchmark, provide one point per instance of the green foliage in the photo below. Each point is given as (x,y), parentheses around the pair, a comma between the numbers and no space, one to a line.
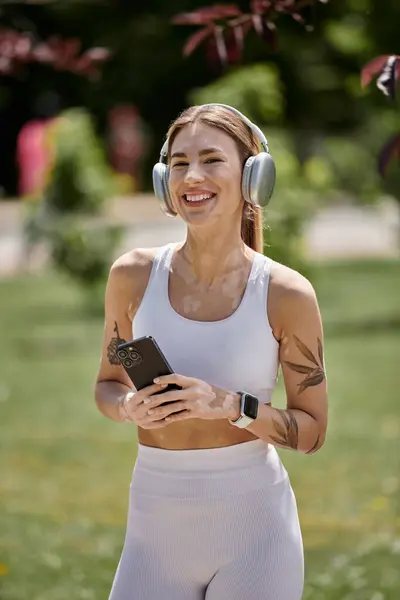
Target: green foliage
(84,254)
(80,181)
(349,35)
(68,217)
(283,234)
(354,160)
(241,88)
(354,166)
(368,572)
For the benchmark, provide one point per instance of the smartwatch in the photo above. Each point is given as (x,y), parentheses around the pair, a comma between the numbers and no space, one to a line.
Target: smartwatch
(248,410)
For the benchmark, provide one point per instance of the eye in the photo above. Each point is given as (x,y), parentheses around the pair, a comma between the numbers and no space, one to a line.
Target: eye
(213,160)
(179,164)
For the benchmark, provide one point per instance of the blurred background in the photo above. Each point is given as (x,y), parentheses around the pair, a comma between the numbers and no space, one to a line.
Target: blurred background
(87,91)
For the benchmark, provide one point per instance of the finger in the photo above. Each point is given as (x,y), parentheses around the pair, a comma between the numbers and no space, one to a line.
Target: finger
(163,411)
(150,390)
(152,424)
(182,416)
(170,396)
(176,379)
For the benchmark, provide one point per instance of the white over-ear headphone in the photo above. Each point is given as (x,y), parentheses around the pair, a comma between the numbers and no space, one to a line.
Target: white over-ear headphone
(258,177)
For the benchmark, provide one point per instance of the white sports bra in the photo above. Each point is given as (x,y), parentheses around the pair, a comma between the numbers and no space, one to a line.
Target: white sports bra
(238,353)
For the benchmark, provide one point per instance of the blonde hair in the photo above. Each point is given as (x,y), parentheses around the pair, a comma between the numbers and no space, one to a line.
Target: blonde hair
(248,145)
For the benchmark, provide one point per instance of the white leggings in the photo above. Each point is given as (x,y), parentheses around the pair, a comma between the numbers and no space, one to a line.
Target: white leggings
(218,524)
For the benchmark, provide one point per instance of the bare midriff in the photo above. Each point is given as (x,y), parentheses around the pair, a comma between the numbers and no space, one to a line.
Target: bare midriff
(194,434)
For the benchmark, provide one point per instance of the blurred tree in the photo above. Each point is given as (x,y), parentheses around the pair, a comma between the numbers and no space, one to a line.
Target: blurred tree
(32,51)
(69,217)
(318,68)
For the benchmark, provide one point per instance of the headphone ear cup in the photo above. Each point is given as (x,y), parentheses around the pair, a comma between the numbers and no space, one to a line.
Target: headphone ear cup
(258,179)
(161,188)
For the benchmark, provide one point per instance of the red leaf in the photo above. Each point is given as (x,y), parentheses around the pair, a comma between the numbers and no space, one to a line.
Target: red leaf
(85,67)
(297,17)
(22,48)
(390,151)
(7,45)
(244,21)
(82,64)
(216,50)
(237,30)
(221,11)
(66,52)
(204,16)
(241,31)
(372,69)
(6,66)
(55,42)
(290,7)
(234,37)
(43,53)
(196,39)
(386,82)
(300,4)
(265,29)
(257,22)
(261,6)
(220,45)
(98,55)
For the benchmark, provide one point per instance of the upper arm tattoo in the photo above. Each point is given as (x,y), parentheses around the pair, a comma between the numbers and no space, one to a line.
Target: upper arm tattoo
(112,347)
(314,374)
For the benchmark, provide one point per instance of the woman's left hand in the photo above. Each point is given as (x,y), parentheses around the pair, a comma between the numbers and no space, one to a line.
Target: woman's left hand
(197,400)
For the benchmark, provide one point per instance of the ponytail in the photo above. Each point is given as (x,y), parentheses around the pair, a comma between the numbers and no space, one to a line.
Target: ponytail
(252,229)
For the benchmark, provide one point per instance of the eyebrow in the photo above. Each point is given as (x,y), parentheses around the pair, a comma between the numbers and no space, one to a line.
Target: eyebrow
(201,153)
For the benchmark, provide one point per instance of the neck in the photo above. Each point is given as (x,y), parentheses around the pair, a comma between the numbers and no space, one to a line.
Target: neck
(211,254)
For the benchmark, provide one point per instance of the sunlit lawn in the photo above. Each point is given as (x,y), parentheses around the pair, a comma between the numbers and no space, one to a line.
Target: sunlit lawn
(65,469)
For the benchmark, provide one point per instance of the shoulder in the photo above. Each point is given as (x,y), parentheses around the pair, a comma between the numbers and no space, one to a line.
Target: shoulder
(290,285)
(291,297)
(129,276)
(133,264)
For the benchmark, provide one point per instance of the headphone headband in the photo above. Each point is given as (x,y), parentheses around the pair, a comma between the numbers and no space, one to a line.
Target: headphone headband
(256,130)
(258,173)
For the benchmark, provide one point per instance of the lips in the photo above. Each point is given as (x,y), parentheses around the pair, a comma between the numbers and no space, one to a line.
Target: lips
(197,198)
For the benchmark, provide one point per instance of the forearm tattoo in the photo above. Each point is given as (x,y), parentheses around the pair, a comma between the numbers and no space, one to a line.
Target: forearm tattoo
(287,430)
(314,448)
(314,375)
(112,347)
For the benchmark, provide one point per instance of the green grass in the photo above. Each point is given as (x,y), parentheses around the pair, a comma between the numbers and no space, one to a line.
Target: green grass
(65,469)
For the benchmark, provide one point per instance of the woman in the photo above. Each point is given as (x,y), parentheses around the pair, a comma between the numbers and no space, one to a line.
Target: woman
(212,514)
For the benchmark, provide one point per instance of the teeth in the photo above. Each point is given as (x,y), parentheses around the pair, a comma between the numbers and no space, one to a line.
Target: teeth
(197,197)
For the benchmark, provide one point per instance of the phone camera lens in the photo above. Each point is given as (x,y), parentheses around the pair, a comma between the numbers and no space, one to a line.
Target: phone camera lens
(134,355)
(122,354)
(128,363)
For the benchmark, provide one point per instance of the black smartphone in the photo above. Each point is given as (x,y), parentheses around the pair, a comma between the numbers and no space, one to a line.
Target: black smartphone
(143,360)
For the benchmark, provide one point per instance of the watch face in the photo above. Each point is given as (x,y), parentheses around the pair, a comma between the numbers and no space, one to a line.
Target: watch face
(250,407)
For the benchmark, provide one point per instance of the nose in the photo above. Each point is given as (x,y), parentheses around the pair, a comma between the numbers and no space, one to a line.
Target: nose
(194,173)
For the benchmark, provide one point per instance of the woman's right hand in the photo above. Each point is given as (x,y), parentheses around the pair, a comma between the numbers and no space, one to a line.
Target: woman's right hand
(134,406)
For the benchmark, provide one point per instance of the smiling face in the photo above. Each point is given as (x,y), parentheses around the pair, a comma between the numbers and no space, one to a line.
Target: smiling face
(205,174)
